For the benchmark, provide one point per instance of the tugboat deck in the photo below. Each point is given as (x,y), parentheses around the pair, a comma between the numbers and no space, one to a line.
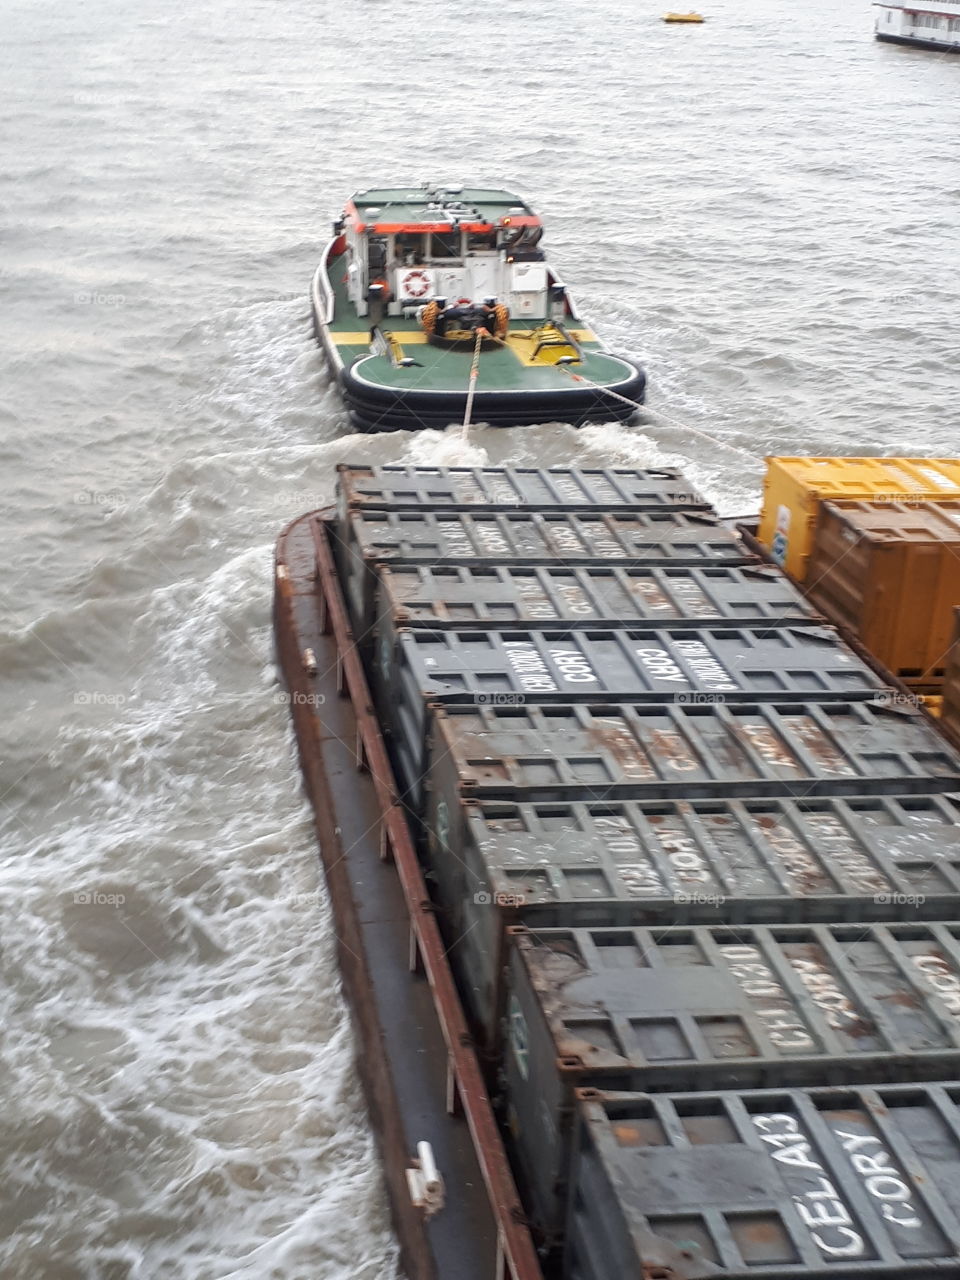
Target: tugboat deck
(502,368)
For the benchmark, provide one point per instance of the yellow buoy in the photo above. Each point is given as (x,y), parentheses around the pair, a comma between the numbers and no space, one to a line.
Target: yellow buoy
(683,17)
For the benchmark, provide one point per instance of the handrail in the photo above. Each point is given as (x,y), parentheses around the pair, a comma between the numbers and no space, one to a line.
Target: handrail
(515,1246)
(322,289)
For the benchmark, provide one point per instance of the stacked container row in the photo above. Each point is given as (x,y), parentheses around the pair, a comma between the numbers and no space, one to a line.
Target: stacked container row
(716,1008)
(836,1183)
(666,812)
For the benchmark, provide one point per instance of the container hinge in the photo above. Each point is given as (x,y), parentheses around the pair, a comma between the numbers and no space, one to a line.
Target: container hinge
(425,1183)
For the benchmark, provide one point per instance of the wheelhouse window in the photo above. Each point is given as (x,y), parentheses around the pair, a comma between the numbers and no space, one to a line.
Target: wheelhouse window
(410,248)
(482,241)
(445,244)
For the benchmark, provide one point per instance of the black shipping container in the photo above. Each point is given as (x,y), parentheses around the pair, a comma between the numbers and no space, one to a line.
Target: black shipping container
(828,1184)
(365,539)
(655,1010)
(391,488)
(457,597)
(679,664)
(691,752)
(669,863)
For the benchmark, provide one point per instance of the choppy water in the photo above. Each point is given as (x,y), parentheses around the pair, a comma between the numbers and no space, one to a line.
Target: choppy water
(766,210)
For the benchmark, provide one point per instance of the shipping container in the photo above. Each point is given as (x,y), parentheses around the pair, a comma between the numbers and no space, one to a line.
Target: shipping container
(828,1184)
(676,664)
(679,751)
(523,539)
(890,572)
(456,597)
(588,863)
(749,1007)
(392,488)
(794,488)
(950,705)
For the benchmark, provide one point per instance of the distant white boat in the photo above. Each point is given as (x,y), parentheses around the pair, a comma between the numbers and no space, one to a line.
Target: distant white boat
(930,24)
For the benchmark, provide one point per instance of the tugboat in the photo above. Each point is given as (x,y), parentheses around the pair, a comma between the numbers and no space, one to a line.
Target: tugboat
(436,305)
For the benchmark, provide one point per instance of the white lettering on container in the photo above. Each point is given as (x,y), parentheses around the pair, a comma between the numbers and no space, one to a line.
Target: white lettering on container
(843,853)
(613,736)
(574,667)
(705,666)
(760,984)
(881,1178)
(821,1207)
(941,977)
(530,668)
(566,539)
(661,666)
(822,984)
(769,746)
(685,858)
(640,879)
(574,599)
(653,597)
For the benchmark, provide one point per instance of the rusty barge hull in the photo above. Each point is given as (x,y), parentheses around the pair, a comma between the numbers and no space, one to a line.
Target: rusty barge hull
(420,1074)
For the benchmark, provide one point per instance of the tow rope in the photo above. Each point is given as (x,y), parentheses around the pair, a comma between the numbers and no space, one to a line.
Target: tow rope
(472,385)
(754,459)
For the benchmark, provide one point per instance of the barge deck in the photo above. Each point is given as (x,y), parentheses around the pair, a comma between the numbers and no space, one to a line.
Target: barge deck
(421,1077)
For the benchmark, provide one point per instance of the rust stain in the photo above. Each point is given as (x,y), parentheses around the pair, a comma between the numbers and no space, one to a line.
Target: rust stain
(627,1135)
(763,1233)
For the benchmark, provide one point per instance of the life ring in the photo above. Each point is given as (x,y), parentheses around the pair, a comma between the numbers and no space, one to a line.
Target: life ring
(415,284)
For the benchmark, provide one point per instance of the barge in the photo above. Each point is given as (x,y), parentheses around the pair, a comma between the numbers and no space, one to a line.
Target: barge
(436,305)
(646,883)
(934,24)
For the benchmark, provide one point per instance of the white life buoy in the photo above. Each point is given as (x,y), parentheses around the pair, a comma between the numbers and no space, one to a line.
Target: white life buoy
(415,284)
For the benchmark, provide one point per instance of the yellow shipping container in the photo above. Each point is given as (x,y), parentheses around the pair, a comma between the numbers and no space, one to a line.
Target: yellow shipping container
(794,488)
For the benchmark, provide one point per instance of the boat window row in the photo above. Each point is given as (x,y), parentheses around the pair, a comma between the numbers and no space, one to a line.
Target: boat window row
(936,22)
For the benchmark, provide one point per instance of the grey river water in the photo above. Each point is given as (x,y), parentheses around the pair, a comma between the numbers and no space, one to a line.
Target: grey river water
(764,209)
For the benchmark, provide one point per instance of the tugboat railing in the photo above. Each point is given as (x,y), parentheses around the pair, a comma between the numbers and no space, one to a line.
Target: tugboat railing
(323,290)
